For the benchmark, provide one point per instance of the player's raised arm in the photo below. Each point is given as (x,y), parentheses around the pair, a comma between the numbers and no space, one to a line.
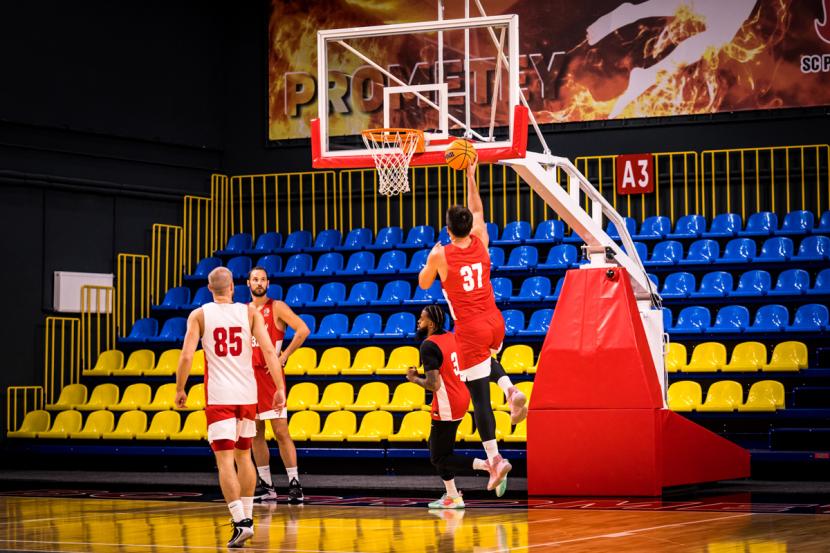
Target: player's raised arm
(271,360)
(195,323)
(475,205)
(430,271)
(301,330)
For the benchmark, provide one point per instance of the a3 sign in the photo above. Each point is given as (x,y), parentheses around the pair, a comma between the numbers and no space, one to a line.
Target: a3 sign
(635,174)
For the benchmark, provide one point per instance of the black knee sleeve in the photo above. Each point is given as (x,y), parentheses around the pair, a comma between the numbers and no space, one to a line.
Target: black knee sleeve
(482,411)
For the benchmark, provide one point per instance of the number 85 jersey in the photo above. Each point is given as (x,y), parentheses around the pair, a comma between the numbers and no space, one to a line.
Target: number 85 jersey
(229,373)
(467,287)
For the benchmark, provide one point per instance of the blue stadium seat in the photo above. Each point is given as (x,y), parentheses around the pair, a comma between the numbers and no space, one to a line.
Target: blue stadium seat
(271,263)
(521,258)
(390,263)
(813,248)
(327,264)
(763,223)
(237,244)
(738,250)
(717,284)
(419,259)
(812,317)
(173,331)
(693,320)
(299,294)
(296,265)
(325,241)
(203,268)
(792,282)
(770,318)
(641,249)
(274,292)
(309,321)
(444,236)
(630,225)
(533,289)
(557,290)
(398,326)
(331,327)
(753,284)
(330,294)
(514,233)
(266,243)
(655,227)
(420,236)
(296,241)
(357,239)
(362,293)
(241,294)
(654,279)
(678,285)
(364,326)
(387,238)
(202,297)
(492,231)
(667,319)
(547,231)
(142,330)
(502,288)
(496,257)
(433,294)
(562,256)
(394,293)
(797,223)
(724,225)
(702,252)
(732,319)
(668,252)
(514,321)
(538,324)
(689,226)
(822,284)
(776,250)
(240,266)
(823,223)
(359,264)
(175,298)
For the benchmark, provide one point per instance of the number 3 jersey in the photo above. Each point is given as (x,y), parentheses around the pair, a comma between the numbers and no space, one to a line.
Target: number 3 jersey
(467,286)
(229,373)
(450,401)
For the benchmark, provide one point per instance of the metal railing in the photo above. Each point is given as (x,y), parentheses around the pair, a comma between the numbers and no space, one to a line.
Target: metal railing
(61,355)
(166,259)
(133,290)
(19,401)
(97,323)
(200,238)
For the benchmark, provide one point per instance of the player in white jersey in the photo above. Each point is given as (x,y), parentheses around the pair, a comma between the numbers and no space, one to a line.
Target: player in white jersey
(225,329)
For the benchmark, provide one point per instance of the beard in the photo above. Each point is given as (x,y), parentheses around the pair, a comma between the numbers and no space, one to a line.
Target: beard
(258,292)
(421,333)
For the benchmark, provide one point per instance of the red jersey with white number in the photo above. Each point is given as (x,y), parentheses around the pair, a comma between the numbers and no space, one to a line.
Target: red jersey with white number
(467,286)
(229,373)
(450,401)
(277,335)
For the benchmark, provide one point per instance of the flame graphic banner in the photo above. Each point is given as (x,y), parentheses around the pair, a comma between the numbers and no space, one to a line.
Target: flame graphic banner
(587,61)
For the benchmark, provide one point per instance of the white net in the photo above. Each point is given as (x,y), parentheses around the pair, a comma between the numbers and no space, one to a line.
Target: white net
(392,150)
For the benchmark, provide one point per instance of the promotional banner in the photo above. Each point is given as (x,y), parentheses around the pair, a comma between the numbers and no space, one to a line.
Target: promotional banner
(584,61)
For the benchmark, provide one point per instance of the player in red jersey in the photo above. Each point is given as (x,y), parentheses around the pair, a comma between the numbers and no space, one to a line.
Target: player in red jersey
(278,316)
(226,329)
(464,269)
(450,399)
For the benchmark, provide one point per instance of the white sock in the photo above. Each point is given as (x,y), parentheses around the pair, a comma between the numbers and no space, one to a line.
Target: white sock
(491,448)
(236,509)
(265,474)
(479,464)
(451,490)
(292,473)
(505,384)
(248,506)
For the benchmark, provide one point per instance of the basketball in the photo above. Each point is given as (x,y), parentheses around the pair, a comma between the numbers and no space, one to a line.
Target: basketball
(460,154)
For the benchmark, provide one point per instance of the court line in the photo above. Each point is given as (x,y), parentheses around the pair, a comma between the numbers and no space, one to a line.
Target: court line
(221,547)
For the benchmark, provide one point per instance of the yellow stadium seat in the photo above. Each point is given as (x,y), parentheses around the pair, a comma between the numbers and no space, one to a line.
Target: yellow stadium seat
(167,364)
(65,423)
(519,433)
(465,427)
(502,428)
(370,397)
(766,395)
(197,366)
(164,399)
(301,361)
(497,399)
(195,398)
(129,425)
(269,433)
(162,426)
(400,360)
(374,427)
(34,422)
(301,396)
(787,356)
(102,396)
(134,395)
(96,424)
(303,424)
(767,546)
(724,395)
(407,397)
(747,356)
(338,425)
(414,428)
(707,357)
(332,362)
(73,394)
(336,396)
(139,362)
(108,362)
(366,361)
(517,359)
(685,396)
(195,427)
(675,357)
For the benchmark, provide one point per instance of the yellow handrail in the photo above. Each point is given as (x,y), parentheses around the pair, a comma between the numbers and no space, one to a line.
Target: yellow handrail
(133,290)
(18,404)
(166,259)
(199,231)
(97,322)
(61,354)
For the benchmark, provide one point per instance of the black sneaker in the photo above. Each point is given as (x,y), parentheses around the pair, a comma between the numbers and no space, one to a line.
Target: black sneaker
(295,491)
(264,492)
(242,532)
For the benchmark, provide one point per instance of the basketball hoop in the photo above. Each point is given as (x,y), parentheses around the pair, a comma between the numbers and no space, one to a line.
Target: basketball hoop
(392,150)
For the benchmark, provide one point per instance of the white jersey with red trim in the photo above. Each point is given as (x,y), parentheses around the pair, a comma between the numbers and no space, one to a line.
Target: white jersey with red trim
(229,372)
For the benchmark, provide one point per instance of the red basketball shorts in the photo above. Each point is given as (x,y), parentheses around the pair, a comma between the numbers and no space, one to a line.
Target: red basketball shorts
(477,337)
(230,422)
(265,396)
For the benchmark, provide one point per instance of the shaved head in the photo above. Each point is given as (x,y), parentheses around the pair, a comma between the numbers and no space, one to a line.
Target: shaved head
(220,281)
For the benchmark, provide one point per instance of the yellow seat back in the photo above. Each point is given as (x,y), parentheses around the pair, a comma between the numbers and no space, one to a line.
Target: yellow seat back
(685,395)
(407,396)
(102,396)
(35,421)
(400,360)
(335,397)
(765,391)
(301,361)
(141,361)
(303,424)
(195,397)
(134,396)
(301,396)
(368,360)
(66,421)
(415,426)
(134,422)
(675,357)
(464,427)
(99,422)
(339,424)
(73,394)
(497,399)
(724,395)
(371,396)
(169,362)
(377,425)
(333,361)
(109,361)
(747,356)
(196,422)
(167,422)
(197,366)
(788,356)
(707,357)
(517,359)
(164,398)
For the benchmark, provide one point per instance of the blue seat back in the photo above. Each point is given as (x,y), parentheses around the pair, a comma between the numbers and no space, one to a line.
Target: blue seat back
(535,287)
(444,236)
(717,282)
(274,292)
(822,282)
(241,294)
(327,239)
(366,324)
(794,281)
(389,237)
(419,259)
(420,235)
(268,241)
(540,320)
(363,292)
(496,256)
(667,251)
(630,225)
(550,229)
(392,261)
(703,251)
(667,319)
(433,293)
(174,329)
(726,224)
(524,256)
(299,293)
(757,282)
(329,262)
(239,242)
(679,284)
(396,291)
(502,288)
(563,254)
(740,250)
(309,321)
(333,325)
(771,317)
(654,279)
(358,238)
(180,295)
(331,293)
(400,323)
(202,297)
(812,316)
(690,225)
(641,249)
(297,264)
(145,328)
(763,222)
(657,226)
(516,231)
(814,247)
(798,222)
(240,266)
(558,290)
(360,262)
(732,317)
(271,263)
(514,321)
(492,231)
(693,318)
(776,249)
(298,240)
(824,222)
(206,265)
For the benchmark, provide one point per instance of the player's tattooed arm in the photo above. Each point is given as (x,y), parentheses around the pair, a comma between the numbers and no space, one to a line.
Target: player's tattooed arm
(431,382)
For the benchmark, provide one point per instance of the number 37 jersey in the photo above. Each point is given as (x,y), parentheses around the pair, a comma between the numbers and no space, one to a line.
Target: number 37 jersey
(467,286)
(229,373)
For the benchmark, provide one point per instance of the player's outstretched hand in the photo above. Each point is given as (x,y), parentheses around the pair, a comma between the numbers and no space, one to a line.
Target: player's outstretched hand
(279,400)
(471,168)
(181,399)
(411,374)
